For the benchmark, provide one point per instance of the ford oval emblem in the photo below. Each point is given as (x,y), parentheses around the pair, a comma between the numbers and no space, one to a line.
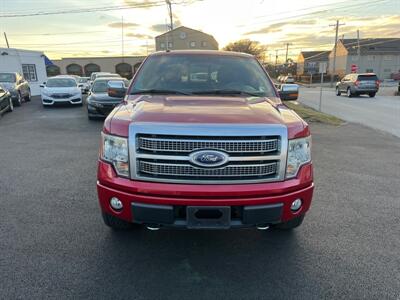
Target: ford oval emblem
(208,158)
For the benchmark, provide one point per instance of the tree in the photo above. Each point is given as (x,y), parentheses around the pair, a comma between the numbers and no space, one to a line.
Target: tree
(247,46)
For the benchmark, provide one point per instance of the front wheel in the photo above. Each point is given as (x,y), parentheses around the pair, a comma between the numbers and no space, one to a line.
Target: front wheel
(349,93)
(291,224)
(10,105)
(338,93)
(19,100)
(28,97)
(372,95)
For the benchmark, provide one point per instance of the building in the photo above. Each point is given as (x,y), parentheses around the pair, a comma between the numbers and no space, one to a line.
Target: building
(380,56)
(31,64)
(184,38)
(308,61)
(85,66)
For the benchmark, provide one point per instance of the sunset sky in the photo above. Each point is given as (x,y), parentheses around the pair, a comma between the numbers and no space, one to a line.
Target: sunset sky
(93,27)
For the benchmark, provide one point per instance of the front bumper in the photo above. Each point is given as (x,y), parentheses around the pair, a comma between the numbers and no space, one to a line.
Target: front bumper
(100,110)
(47,100)
(245,205)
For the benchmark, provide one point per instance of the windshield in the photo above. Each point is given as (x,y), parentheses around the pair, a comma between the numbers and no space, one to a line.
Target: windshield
(101,86)
(7,77)
(371,77)
(203,74)
(83,80)
(107,75)
(61,82)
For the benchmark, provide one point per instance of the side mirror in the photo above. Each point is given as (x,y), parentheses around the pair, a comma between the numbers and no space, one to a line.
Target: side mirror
(116,89)
(289,92)
(42,85)
(80,85)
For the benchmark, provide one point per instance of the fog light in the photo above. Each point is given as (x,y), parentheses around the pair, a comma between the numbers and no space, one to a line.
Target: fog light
(296,204)
(116,203)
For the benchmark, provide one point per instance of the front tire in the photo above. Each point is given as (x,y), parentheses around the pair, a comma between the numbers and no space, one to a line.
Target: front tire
(349,93)
(10,105)
(19,100)
(291,224)
(118,224)
(338,93)
(28,97)
(371,95)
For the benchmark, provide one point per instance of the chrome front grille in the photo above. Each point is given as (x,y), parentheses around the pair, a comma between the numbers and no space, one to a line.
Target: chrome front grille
(61,96)
(186,170)
(163,152)
(174,144)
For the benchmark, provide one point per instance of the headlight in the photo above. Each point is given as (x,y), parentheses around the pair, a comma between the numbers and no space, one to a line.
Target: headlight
(114,150)
(299,153)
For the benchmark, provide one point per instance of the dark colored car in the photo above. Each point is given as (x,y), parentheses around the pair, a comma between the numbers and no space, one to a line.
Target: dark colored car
(6,103)
(358,84)
(17,86)
(99,103)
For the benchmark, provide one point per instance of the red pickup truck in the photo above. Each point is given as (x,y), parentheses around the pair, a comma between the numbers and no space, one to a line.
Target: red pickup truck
(202,140)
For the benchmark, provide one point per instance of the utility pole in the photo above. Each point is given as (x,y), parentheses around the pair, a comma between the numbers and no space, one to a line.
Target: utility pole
(171,21)
(276,57)
(122,38)
(5,36)
(287,51)
(358,47)
(334,49)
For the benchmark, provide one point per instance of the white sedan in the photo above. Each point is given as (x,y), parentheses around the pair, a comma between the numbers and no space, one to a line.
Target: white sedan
(61,89)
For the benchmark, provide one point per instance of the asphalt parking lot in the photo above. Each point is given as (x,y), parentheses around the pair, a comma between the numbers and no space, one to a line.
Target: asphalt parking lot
(53,243)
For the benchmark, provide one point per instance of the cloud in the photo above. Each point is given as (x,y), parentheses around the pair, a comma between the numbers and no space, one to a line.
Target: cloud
(277,27)
(146,4)
(163,27)
(138,35)
(126,25)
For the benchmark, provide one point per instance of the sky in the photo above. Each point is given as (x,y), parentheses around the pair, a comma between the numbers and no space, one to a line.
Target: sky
(77,28)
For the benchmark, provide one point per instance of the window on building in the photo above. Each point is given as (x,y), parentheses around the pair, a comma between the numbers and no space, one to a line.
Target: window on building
(204,44)
(29,72)
(162,45)
(170,45)
(369,70)
(192,44)
(387,57)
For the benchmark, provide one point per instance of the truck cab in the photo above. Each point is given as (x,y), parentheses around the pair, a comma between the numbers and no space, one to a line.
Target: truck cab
(203,140)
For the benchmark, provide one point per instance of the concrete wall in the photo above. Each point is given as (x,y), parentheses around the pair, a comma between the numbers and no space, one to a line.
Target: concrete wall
(182,38)
(11,60)
(106,64)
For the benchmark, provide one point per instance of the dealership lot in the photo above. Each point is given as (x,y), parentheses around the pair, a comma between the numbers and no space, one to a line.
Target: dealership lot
(54,244)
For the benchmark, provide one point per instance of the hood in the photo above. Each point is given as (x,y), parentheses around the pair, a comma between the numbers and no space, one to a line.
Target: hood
(61,90)
(7,85)
(203,110)
(199,109)
(103,97)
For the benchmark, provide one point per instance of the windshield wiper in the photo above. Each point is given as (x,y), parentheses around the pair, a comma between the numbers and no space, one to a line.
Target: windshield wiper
(226,92)
(157,91)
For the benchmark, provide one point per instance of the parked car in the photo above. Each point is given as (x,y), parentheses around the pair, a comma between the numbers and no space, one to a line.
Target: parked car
(6,103)
(17,86)
(109,75)
(99,103)
(94,75)
(358,84)
(84,81)
(216,154)
(288,79)
(61,89)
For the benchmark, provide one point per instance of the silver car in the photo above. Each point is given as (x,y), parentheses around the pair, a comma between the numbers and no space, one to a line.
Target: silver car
(358,84)
(17,86)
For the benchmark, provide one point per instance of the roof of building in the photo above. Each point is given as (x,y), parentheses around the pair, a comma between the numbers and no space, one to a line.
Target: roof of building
(184,27)
(315,55)
(373,46)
